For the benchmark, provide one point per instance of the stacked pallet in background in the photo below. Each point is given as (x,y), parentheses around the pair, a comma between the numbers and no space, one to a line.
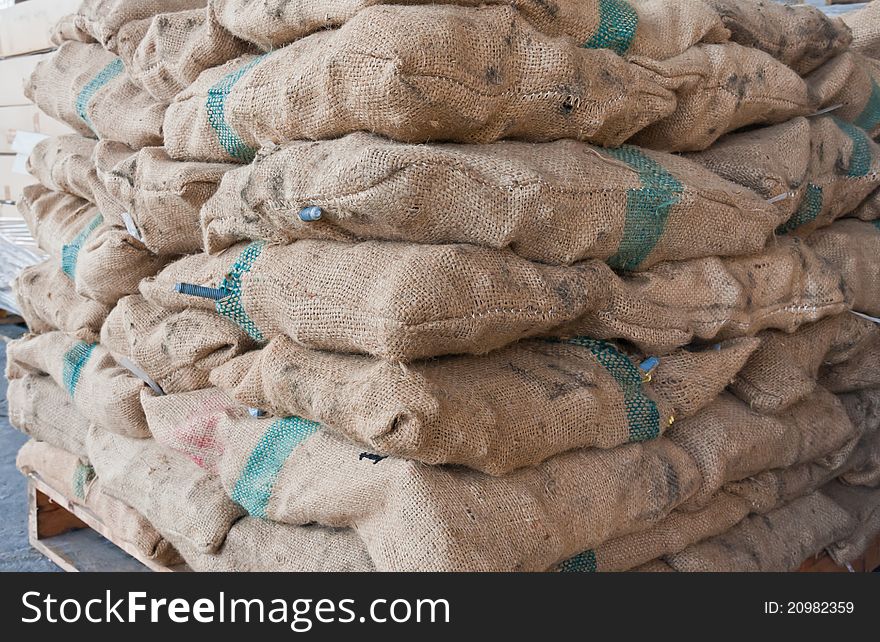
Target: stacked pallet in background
(424,287)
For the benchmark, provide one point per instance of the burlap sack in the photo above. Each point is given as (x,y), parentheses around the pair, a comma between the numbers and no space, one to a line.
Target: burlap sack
(646,27)
(86,87)
(103,391)
(104,19)
(112,264)
(851,247)
(100,256)
(67,28)
(785,368)
(182,501)
(800,36)
(258,545)
(176,349)
(65,164)
(556,203)
(865,25)
(772,161)
(869,210)
(433,518)
(776,542)
(56,219)
(416,74)
(163,197)
(863,505)
(853,365)
(39,408)
(720,88)
(65,473)
(47,300)
(511,408)
(728,441)
(403,302)
(844,171)
(863,408)
(851,83)
(167,52)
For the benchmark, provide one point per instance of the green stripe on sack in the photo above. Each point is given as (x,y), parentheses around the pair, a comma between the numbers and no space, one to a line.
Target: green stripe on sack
(860,159)
(618,22)
(642,414)
(869,119)
(81,476)
(581,563)
(216,108)
(876,224)
(231,305)
(807,212)
(254,486)
(647,208)
(73,362)
(104,76)
(70,251)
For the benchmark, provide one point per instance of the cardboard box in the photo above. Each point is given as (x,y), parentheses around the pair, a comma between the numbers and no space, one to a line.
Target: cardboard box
(24,28)
(14,72)
(26,118)
(12,182)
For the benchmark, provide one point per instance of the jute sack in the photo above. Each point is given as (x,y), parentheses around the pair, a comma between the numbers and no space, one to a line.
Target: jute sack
(67,28)
(838,351)
(175,349)
(56,219)
(412,516)
(850,82)
(863,504)
(103,391)
(729,441)
(76,481)
(800,36)
(851,247)
(776,542)
(772,161)
(853,364)
(864,411)
(557,202)
(39,408)
(48,300)
(162,196)
(111,265)
(258,545)
(167,52)
(682,528)
(869,210)
(655,28)
(182,501)
(403,302)
(844,171)
(87,88)
(416,74)
(865,25)
(103,19)
(513,407)
(65,164)
(321,478)
(720,88)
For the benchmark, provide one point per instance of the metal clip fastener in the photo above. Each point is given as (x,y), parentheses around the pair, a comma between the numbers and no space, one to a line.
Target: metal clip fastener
(310,213)
(648,366)
(201,291)
(256,412)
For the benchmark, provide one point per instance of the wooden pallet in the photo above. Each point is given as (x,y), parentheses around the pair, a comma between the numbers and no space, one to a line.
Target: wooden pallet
(75,539)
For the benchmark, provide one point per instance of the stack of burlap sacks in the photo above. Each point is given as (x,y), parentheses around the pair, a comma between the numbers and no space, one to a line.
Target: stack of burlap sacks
(412,286)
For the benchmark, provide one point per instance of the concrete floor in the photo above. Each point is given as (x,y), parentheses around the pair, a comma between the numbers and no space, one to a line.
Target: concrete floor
(15,552)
